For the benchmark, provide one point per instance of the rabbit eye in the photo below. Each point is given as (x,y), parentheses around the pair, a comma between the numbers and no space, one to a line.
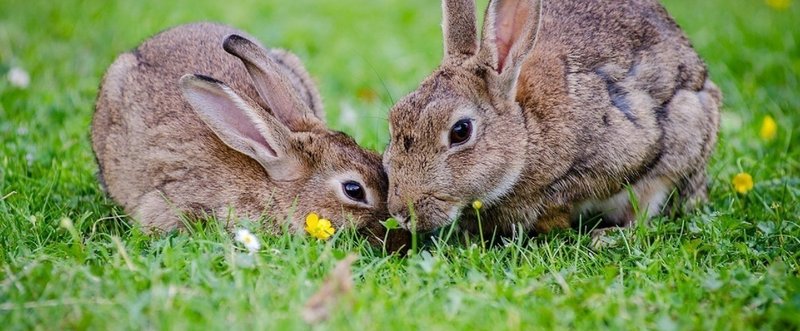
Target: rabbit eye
(460,132)
(354,191)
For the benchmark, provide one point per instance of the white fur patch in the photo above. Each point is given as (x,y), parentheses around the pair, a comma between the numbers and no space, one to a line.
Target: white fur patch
(650,194)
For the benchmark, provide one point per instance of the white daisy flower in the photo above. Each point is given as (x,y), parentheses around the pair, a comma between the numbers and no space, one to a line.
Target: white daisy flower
(248,240)
(18,77)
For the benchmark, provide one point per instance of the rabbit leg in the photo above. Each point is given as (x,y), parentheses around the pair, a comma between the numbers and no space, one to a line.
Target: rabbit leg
(601,238)
(649,195)
(692,191)
(555,218)
(695,190)
(155,213)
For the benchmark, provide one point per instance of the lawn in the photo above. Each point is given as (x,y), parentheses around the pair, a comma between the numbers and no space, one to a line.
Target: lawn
(70,259)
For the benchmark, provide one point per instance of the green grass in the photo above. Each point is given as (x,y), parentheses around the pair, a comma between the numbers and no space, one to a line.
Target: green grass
(731,265)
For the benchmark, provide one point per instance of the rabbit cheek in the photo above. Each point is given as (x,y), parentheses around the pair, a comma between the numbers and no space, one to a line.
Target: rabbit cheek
(434,213)
(500,162)
(428,212)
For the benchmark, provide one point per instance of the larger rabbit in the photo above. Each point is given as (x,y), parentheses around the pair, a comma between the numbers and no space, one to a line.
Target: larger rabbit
(559,109)
(171,145)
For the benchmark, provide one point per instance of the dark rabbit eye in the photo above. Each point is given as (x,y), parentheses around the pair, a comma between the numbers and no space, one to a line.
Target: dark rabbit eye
(354,191)
(460,132)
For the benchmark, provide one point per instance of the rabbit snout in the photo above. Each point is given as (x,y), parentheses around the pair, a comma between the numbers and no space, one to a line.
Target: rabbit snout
(429,210)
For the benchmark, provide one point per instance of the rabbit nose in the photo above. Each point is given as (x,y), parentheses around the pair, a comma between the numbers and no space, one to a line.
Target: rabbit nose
(402,219)
(399,209)
(400,213)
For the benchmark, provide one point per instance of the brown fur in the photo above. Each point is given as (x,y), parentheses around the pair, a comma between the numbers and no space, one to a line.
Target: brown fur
(159,159)
(568,108)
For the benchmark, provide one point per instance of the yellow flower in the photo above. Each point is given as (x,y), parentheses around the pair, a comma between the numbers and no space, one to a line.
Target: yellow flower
(477,204)
(319,228)
(769,129)
(779,4)
(743,182)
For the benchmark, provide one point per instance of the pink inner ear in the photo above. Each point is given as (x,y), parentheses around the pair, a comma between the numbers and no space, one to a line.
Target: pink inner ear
(510,18)
(234,118)
(247,128)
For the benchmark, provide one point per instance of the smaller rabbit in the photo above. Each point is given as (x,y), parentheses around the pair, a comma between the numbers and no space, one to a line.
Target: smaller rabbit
(170,143)
(565,109)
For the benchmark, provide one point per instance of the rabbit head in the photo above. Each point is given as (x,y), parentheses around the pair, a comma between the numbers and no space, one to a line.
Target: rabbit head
(461,135)
(327,171)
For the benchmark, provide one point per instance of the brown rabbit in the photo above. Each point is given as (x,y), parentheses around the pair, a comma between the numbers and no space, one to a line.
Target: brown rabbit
(256,146)
(561,107)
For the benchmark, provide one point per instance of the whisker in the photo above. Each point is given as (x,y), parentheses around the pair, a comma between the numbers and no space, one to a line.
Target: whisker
(383,83)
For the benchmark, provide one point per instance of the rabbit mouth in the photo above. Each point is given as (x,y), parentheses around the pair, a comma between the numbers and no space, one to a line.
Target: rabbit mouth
(428,211)
(446,198)
(435,211)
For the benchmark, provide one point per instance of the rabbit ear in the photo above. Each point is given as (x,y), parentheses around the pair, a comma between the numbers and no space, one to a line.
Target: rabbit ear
(459,28)
(240,125)
(275,88)
(509,33)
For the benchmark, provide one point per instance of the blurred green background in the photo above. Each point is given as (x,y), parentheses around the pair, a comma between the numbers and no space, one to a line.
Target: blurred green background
(732,266)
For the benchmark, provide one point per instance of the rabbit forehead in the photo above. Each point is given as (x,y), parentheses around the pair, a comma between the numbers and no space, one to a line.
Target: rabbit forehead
(432,106)
(337,153)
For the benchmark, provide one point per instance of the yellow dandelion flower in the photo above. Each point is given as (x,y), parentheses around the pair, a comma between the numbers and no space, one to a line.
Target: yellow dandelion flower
(743,182)
(477,204)
(779,4)
(769,128)
(319,228)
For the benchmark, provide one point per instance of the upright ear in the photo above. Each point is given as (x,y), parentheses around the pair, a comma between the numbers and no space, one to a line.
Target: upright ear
(459,27)
(300,79)
(242,125)
(274,87)
(509,34)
